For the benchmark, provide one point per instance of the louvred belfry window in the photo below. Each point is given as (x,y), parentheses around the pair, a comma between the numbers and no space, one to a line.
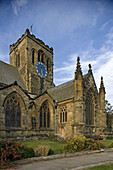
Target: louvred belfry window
(12,112)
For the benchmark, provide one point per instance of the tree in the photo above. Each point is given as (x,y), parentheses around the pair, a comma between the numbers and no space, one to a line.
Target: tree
(109,115)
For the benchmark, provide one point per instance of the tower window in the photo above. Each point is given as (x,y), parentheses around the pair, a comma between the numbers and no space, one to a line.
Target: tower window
(18,59)
(38,56)
(42,59)
(33,52)
(47,64)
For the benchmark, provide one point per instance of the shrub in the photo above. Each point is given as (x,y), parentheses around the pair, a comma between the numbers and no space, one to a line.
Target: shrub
(9,151)
(79,144)
(101,144)
(43,150)
(91,144)
(28,152)
(111,146)
(75,145)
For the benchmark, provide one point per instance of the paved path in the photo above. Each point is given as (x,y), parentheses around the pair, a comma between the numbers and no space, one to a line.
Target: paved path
(71,163)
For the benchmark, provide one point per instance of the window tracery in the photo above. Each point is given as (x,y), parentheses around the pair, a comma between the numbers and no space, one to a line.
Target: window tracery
(41,56)
(44,115)
(12,112)
(63,114)
(89,109)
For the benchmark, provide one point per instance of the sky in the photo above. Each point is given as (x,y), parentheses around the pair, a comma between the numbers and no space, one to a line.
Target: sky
(73,28)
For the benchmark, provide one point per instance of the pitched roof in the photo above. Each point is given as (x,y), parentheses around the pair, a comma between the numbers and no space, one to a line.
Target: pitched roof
(9,74)
(62,92)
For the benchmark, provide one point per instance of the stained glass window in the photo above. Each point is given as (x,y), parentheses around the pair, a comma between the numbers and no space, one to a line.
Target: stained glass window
(89,109)
(12,111)
(44,115)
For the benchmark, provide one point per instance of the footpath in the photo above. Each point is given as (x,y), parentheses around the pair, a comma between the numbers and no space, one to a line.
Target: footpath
(70,161)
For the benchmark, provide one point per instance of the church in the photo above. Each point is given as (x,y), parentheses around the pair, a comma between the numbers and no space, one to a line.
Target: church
(31,104)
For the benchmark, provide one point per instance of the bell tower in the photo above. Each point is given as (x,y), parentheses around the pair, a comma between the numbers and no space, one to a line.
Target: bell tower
(25,54)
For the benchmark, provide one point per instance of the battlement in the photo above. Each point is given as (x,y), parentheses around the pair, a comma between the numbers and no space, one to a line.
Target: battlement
(31,36)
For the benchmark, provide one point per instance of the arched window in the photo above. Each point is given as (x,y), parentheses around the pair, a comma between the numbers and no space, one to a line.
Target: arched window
(38,56)
(33,53)
(63,114)
(12,111)
(18,59)
(44,116)
(41,56)
(89,109)
(47,64)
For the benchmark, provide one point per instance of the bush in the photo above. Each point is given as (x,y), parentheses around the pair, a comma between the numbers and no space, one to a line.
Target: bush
(75,145)
(111,146)
(80,144)
(9,151)
(43,150)
(28,152)
(91,144)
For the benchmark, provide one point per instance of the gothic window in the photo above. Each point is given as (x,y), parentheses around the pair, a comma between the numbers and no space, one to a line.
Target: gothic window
(18,59)
(63,114)
(89,109)
(42,59)
(33,52)
(33,122)
(12,112)
(40,56)
(44,116)
(47,64)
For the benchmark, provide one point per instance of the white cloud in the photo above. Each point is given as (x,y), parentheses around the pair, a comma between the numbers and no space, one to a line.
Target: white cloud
(101,61)
(17,4)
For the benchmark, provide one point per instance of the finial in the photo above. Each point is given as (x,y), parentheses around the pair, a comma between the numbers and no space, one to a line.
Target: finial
(78,68)
(90,66)
(78,62)
(31,29)
(78,59)
(102,85)
(90,69)
(27,31)
(101,79)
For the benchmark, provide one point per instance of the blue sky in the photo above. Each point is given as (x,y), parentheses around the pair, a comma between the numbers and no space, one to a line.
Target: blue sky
(72,27)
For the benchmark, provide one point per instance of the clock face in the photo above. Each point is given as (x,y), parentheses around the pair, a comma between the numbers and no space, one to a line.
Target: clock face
(41,69)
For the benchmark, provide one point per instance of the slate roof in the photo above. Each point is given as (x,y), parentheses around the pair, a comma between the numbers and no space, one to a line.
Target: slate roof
(62,92)
(9,74)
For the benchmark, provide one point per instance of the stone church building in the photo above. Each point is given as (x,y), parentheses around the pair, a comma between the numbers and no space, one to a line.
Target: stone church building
(30,103)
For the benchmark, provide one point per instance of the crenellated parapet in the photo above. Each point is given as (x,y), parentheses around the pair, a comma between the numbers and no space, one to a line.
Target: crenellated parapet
(31,36)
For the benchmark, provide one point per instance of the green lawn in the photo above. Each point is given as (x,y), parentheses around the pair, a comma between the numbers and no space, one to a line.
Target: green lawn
(107,143)
(101,167)
(57,147)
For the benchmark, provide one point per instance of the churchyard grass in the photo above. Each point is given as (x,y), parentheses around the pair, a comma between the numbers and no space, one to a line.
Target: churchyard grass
(101,167)
(57,147)
(107,143)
